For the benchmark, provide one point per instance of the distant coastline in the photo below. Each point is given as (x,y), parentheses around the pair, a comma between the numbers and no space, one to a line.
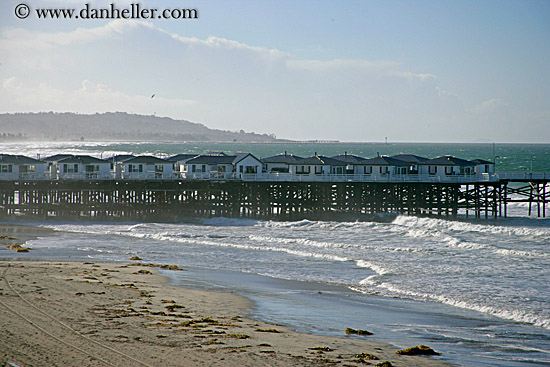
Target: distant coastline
(114,126)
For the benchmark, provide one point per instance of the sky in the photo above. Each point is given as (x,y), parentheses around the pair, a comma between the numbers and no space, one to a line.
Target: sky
(408,71)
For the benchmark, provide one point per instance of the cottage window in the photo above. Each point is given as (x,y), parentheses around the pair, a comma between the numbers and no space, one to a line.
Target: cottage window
(318,170)
(432,170)
(67,168)
(486,168)
(368,170)
(6,168)
(91,168)
(301,170)
(135,168)
(159,168)
(448,171)
(27,169)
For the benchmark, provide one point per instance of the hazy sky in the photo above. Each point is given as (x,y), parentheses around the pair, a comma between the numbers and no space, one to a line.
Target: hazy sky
(430,71)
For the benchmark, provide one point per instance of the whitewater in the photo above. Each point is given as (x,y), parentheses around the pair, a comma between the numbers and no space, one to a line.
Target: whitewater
(477,290)
(496,271)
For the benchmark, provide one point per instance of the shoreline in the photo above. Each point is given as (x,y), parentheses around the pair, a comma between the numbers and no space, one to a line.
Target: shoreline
(131,310)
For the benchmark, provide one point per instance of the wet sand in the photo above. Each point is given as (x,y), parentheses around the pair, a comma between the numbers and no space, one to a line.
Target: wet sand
(88,314)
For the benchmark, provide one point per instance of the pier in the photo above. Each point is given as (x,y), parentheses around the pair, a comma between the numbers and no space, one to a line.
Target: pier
(172,200)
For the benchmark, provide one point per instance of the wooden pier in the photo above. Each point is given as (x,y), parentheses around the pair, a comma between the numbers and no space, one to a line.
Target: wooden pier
(112,200)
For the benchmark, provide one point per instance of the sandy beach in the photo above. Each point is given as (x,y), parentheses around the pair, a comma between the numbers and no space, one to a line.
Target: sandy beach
(93,314)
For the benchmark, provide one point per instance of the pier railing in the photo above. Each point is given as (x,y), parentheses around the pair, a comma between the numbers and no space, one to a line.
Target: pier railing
(281,177)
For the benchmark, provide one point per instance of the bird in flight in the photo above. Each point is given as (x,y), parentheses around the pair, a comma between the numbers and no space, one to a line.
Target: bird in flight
(153,95)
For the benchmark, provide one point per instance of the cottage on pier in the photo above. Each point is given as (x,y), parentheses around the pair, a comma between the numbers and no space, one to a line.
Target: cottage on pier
(178,162)
(413,160)
(147,167)
(279,163)
(83,167)
(384,168)
(354,163)
(20,167)
(483,166)
(222,166)
(116,164)
(317,166)
(448,166)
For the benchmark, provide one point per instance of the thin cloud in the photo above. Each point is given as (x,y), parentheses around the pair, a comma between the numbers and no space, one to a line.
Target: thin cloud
(490,105)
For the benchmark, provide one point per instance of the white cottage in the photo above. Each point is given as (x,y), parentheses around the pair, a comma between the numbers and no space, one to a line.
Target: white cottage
(222,166)
(178,162)
(447,166)
(19,167)
(354,163)
(279,163)
(316,166)
(247,165)
(484,167)
(116,164)
(82,167)
(384,168)
(414,162)
(146,168)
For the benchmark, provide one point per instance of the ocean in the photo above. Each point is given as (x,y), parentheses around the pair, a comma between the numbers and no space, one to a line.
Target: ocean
(475,290)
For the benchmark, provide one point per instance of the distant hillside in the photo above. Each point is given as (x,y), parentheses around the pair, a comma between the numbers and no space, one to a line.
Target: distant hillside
(113,126)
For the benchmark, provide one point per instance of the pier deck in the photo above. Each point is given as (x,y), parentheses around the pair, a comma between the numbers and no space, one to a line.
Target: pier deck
(173,199)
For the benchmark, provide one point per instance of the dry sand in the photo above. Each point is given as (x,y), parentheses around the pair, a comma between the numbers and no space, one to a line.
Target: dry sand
(86,314)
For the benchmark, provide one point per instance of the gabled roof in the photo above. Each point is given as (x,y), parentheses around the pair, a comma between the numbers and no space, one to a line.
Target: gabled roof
(318,160)
(411,158)
(18,159)
(180,157)
(449,160)
(211,159)
(481,161)
(119,158)
(147,159)
(281,158)
(57,157)
(384,161)
(240,156)
(82,159)
(349,158)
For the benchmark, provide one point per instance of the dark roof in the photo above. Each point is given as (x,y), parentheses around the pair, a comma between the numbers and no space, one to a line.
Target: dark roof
(212,159)
(180,157)
(384,161)
(57,157)
(349,158)
(119,158)
(82,159)
(17,159)
(411,158)
(481,161)
(147,159)
(449,161)
(281,158)
(240,156)
(319,160)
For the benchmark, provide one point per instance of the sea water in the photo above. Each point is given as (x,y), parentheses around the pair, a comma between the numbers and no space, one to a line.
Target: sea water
(475,290)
